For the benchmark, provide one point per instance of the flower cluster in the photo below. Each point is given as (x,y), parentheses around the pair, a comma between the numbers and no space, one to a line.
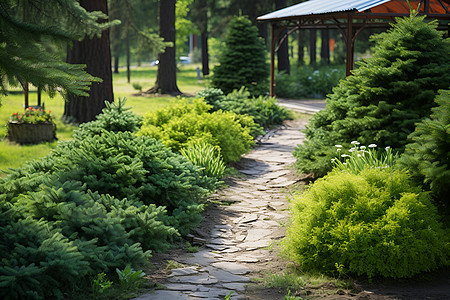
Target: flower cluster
(360,158)
(32,116)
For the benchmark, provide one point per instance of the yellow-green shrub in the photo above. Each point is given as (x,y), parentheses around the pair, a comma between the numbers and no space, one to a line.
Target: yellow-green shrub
(377,223)
(186,124)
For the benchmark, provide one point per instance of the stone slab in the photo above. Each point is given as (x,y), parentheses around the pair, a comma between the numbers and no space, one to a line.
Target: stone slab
(202,278)
(234,268)
(164,295)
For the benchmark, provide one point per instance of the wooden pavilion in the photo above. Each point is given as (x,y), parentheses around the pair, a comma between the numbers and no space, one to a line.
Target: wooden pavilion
(350,17)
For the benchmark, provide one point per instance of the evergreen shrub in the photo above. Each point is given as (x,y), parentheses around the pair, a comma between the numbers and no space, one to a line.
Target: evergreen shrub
(264,110)
(427,156)
(386,95)
(243,60)
(184,124)
(376,224)
(98,202)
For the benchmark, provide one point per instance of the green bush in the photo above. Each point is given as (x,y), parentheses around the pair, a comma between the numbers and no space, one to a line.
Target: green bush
(186,124)
(206,156)
(243,60)
(264,110)
(377,223)
(428,154)
(114,117)
(98,202)
(307,82)
(387,94)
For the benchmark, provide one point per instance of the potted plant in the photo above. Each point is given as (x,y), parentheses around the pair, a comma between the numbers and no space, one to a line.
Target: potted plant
(33,126)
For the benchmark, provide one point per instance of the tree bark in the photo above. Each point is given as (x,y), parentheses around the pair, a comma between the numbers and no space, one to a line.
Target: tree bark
(96,54)
(166,76)
(205,54)
(312,47)
(204,36)
(116,64)
(128,55)
(283,51)
(325,47)
(301,47)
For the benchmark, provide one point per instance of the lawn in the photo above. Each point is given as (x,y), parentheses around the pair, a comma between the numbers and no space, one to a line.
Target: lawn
(12,155)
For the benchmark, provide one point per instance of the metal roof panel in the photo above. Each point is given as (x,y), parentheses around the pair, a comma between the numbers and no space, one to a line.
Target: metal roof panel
(316,7)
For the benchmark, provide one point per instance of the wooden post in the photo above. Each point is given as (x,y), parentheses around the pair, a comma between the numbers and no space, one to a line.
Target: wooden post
(350,45)
(26,93)
(39,91)
(272,60)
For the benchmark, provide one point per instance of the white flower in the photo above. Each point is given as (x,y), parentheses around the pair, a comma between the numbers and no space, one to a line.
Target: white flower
(362,147)
(344,164)
(351,149)
(338,146)
(387,148)
(333,160)
(345,155)
(355,143)
(372,145)
(338,149)
(359,155)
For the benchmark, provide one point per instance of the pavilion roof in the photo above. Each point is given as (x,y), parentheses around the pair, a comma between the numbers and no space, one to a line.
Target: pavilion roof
(321,7)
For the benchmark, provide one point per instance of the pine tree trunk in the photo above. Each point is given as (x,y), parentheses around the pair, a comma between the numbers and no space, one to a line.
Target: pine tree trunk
(128,55)
(205,55)
(312,47)
(301,46)
(95,53)
(283,51)
(325,47)
(166,76)
(116,64)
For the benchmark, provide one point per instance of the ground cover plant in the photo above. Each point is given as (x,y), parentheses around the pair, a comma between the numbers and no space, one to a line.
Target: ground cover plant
(98,202)
(377,223)
(186,124)
(383,99)
(427,156)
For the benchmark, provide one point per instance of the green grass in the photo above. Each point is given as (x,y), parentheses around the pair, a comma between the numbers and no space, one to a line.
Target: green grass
(294,280)
(12,155)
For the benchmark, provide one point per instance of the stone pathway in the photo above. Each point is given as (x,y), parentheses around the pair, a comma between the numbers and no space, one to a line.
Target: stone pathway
(236,238)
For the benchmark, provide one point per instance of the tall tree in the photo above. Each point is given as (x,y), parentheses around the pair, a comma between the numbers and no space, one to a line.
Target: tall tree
(301,47)
(325,47)
(136,29)
(312,46)
(29,30)
(166,76)
(95,53)
(283,51)
(199,15)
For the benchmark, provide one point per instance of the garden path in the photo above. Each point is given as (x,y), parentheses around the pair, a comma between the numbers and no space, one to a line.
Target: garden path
(241,228)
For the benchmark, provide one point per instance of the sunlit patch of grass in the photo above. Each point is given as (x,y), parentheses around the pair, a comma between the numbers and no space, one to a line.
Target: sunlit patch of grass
(13,155)
(294,280)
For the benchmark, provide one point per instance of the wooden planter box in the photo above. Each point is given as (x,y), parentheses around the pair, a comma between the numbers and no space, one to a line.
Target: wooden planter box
(30,133)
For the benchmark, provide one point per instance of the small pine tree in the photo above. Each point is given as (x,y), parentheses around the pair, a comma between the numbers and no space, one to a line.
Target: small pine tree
(428,154)
(385,97)
(243,61)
